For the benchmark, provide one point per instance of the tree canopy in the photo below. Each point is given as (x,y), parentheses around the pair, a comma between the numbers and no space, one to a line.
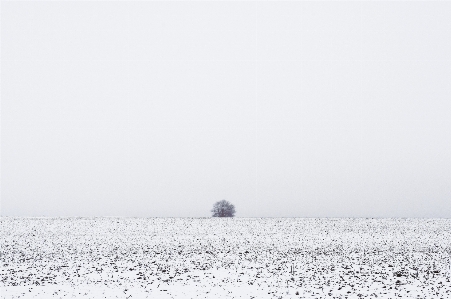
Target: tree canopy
(223,208)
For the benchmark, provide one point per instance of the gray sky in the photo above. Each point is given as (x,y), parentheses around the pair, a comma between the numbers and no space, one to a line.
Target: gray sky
(305,109)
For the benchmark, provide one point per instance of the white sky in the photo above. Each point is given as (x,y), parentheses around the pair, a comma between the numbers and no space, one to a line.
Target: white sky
(304,109)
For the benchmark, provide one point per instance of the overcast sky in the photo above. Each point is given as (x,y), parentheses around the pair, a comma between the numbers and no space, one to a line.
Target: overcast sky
(286,109)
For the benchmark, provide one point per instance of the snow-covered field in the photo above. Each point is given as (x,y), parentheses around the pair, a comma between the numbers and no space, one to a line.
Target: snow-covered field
(224,258)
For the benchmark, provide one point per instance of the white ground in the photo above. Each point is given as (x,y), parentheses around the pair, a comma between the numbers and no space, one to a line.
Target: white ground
(224,258)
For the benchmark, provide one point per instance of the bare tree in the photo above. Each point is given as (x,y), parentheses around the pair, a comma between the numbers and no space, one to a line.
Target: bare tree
(223,208)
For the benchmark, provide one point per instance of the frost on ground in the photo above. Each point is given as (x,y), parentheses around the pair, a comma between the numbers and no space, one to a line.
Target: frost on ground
(224,258)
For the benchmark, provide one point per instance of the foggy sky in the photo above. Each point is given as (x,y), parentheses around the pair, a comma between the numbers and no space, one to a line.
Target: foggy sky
(285,109)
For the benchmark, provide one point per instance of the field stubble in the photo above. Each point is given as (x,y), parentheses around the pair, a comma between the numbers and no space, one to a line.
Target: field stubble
(225,258)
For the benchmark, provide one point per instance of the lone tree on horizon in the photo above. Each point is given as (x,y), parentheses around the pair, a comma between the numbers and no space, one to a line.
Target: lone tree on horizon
(223,208)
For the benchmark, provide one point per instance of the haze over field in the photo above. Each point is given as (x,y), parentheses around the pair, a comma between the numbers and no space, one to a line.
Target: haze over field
(285,109)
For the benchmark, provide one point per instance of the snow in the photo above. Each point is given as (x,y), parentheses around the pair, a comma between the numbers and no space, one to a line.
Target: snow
(224,258)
